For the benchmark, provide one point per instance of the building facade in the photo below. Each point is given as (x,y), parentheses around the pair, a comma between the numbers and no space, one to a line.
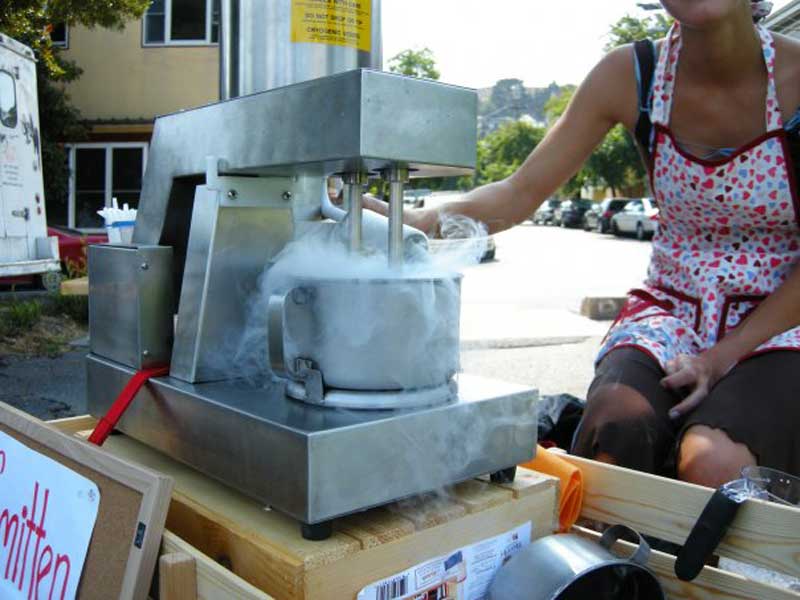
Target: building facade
(164,62)
(786,20)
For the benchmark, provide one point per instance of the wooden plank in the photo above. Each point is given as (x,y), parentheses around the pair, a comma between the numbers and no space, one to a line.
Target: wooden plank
(75,287)
(214,582)
(763,533)
(72,425)
(524,482)
(375,527)
(710,584)
(346,577)
(428,510)
(476,495)
(177,577)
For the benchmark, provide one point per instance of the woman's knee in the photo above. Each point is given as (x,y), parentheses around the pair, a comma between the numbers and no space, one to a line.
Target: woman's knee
(620,426)
(709,457)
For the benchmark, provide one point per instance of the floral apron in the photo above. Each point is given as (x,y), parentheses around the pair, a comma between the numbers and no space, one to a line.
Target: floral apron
(728,232)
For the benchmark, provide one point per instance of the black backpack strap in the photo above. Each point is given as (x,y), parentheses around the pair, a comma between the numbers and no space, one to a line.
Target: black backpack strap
(645,58)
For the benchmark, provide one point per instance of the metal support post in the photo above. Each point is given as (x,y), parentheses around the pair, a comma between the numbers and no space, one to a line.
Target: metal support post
(397,177)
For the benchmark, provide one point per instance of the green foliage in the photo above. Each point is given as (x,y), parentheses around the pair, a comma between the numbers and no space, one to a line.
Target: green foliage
(29,22)
(502,152)
(74,307)
(18,317)
(615,163)
(629,29)
(415,63)
(557,104)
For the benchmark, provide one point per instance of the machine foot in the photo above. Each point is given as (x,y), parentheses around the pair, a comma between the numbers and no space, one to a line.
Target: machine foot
(316,532)
(504,475)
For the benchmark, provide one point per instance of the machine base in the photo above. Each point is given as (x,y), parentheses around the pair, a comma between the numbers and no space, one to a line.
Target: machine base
(315,463)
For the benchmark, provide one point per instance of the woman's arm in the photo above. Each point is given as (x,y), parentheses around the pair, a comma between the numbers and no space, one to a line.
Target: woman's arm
(779,312)
(606,97)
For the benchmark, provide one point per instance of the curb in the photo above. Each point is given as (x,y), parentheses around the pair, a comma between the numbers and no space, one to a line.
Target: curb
(602,308)
(511,343)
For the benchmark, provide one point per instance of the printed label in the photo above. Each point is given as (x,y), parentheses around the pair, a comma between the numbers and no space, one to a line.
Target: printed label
(333,22)
(461,575)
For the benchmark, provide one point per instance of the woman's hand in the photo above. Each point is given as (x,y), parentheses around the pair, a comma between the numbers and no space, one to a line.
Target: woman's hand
(699,373)
(424,219)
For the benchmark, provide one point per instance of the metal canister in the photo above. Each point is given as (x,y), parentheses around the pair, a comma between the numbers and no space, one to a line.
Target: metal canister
(569,567)
(369,334)
(267,44)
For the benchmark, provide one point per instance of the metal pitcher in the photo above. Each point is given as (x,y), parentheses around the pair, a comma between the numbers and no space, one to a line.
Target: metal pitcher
(570,567)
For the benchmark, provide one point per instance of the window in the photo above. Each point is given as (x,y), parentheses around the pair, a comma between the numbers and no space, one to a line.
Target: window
(181,22)
(8,100)
(59,35)
(101,172)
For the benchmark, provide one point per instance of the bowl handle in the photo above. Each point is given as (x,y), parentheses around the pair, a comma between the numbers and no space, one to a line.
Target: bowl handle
(275,315)
(610,536)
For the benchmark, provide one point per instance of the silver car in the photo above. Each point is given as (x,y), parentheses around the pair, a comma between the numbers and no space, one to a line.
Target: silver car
(639,217)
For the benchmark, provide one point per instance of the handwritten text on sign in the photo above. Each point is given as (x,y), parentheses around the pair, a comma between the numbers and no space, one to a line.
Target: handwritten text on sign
(47,515)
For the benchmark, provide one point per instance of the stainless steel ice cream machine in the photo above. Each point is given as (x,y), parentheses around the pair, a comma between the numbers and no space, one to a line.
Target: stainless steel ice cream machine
(337,390)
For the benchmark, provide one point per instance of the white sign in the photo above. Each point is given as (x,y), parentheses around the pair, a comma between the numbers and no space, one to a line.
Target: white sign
(47,515)
(461,575)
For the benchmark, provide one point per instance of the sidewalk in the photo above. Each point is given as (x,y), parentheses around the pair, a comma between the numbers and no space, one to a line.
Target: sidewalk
(494,325)
(550,350)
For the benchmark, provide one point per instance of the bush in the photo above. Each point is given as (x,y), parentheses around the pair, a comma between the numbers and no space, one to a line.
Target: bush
(18,317)
(75,307)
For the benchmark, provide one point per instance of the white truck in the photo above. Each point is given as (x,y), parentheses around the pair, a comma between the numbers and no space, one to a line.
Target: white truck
(25,248)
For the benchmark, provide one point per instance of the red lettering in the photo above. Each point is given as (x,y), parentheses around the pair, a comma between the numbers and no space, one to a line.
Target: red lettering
(9,522)
(19,546)
(46,565)
(61,559)
(40,535)
(42,573)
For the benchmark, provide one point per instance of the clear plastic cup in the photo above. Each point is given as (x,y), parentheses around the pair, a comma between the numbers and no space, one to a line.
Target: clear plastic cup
(773,485)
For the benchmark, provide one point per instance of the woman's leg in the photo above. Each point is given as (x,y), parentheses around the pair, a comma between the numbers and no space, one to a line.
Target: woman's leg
(750,417)
(709,457)
(626,419)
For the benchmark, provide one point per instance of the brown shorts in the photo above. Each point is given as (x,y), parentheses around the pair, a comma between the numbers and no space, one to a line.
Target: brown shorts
(756,404)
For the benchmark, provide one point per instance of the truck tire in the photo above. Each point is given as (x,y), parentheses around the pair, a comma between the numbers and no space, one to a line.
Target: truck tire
(50,281)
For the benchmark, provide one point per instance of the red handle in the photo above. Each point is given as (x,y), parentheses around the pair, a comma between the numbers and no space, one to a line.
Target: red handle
(106,424)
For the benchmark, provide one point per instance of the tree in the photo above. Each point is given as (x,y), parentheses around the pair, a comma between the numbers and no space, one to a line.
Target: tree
(629,29)
(615,163)
(557,104)
(30,22)
(415,63)
(502,152)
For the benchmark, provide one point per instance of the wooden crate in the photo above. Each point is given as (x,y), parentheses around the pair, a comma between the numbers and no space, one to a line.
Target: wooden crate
(209,525)
(763,533)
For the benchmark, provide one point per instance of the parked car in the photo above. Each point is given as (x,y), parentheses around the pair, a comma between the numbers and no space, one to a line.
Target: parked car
(599,216)
(639,217)
(570,212)
(72,245)
(416,198)
(544,215)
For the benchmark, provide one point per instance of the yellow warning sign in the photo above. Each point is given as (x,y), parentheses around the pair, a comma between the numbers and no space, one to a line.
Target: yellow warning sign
(333,22)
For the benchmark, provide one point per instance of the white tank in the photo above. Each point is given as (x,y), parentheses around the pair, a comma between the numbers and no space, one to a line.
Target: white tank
(267,44)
